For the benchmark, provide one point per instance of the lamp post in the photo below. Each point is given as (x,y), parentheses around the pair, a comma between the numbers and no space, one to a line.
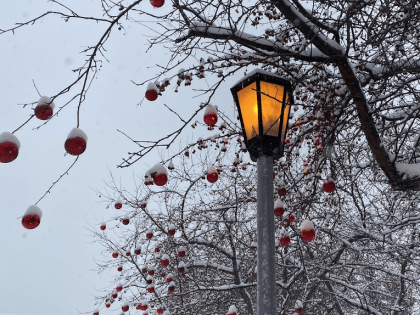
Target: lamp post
(263,101)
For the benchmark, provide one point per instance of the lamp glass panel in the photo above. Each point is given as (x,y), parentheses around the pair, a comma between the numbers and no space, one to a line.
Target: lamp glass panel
(285,118)
(271,107)
(249,109)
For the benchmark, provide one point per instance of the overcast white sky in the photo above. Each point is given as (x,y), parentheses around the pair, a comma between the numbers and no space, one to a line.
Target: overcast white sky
(48,270)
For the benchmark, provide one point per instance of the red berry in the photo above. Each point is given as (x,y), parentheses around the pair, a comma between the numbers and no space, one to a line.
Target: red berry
(181,253)
(119,268)
(285,240)
(149,235)
(43,112)
(75,146)
(164,262)
(151,95)
(282,191)
(125,308)
(151,289)
(114,295)
(291,218)
(157,249)
(128,253)
(108,305)
(171,289)
(143,205)
(118,205)
(119,288)
(151,272)
(31,221)
(328,187)
(171,232)
(8,152)
(169,279)
(298,310)
(137,251)
(308,235)
(125,221)
(159,310)
(103,227)
(115,254)
(210,119)
(95,313)
(157,3)
(212,177)
(160,179)
(278,212)
(181,269)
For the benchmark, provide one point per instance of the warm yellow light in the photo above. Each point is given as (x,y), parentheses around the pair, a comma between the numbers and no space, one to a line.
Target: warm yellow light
(271,107)
(249,109)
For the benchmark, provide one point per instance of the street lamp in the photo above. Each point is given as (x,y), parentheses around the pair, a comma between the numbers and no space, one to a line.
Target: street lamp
(263,101)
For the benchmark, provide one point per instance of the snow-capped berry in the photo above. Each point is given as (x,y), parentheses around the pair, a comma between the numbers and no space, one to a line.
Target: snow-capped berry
(96,312)
(76,142)
(158,173)
(9,147)
(151,91)
(118,204)
(32,217)
(279,207)
(169,278)
(119,287)
(232,310)
(143,268)
(210,116)
(181,266)
(151,271)
(149,234)
(181,251)
(44,108)
(157,3)
(164,260)
(171,166)
(125,307)
(171,287)
(151,288)
(115,254)
(171,230)
(212,175)
(282,191)
(328,186)
(285,240)
(149,279)
(137,250)
(126,220)
(307,231)
(298,307)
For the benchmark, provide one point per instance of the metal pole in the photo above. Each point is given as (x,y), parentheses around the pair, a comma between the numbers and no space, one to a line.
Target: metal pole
(266,271)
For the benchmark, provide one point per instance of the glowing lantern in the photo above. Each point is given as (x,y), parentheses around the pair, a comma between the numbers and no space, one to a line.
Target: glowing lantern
(210,115)
(9,147)
(171,230)
(212,175)
(263,101)
(279,207)
(32,217)
(151,92)
(44,108)
(328,186)
(307,231)
(76,142)
(164,261)
(157,3)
